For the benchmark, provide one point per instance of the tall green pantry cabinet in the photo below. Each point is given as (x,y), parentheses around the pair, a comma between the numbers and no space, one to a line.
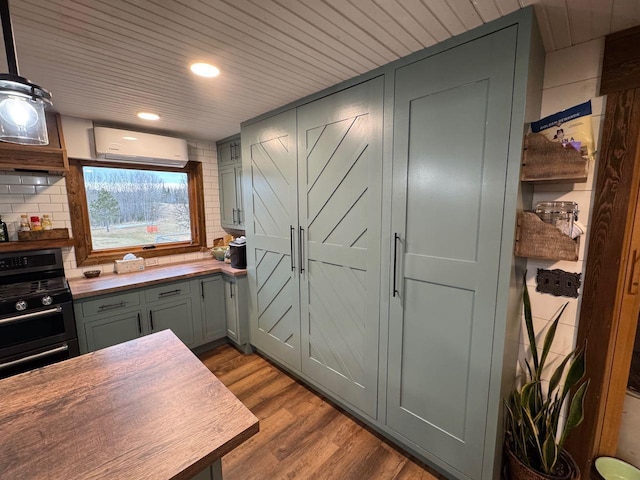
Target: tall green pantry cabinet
(380,220)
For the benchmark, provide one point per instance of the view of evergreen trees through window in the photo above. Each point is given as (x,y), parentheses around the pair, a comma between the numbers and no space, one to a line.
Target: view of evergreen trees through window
(136,207)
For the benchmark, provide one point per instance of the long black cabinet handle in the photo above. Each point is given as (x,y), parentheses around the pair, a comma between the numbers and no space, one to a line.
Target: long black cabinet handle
(230,290)
(170,293)
(202,289)
(139,325)
(151,318)
(396,237)
(291,230)
(301,239)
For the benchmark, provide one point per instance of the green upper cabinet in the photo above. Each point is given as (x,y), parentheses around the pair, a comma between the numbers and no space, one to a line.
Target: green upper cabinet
(230,183)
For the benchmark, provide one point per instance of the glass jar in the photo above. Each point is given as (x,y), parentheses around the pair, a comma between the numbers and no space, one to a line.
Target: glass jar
(559,214)
(24,223)
(46,222)
(35,223)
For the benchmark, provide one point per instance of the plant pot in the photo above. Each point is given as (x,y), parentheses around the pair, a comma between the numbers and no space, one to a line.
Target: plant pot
(566,468)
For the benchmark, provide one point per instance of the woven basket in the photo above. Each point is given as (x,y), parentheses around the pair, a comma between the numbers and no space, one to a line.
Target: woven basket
(566,468)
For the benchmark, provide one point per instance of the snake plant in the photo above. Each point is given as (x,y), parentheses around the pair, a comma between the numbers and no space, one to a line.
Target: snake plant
(534,431)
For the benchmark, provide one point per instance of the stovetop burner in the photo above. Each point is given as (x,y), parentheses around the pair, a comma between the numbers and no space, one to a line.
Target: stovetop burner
(36,287)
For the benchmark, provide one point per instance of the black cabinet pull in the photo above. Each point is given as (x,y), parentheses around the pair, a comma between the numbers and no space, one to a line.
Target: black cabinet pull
(169,293)
(301,240)
(396,237)
(231,290)
(151,318)
(112,305)
(202,289)
(291,230)
(234,216)
(139,325)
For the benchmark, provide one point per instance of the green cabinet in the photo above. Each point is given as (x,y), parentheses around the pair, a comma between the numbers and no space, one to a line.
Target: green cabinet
(110,330)
(230,184)
(212,304)
(236,315)
(316,238)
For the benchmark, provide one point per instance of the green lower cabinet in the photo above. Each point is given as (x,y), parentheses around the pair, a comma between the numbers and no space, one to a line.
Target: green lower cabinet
(111,330)
(177,316)
(236,292)
(197,311)
(212,308)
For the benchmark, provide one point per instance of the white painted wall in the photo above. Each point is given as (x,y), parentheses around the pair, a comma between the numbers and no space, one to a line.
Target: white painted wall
(36,194)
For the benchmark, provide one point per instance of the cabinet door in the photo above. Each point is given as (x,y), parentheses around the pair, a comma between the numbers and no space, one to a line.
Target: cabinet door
(271,224)
(225,154)
(213,302)
(340,189)
(228,197)
(451,134)
(240,214)
(175,315)
(112,330)
(231,309)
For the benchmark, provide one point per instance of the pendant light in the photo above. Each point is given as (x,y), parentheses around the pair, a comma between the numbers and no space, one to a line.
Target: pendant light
(22,103)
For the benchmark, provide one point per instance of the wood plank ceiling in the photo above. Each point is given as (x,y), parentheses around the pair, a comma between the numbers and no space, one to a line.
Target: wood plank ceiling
(108,59)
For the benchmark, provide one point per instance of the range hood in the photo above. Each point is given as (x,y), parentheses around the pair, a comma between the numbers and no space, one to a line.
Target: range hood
(127,146)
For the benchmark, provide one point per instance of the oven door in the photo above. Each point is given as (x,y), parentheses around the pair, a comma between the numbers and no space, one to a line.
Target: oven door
(46,326)
(38,358)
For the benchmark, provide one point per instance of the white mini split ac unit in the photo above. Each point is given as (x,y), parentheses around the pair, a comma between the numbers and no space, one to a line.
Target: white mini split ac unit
(144,148)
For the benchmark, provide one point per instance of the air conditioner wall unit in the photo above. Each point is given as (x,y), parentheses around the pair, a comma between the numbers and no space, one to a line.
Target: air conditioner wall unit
(143,148)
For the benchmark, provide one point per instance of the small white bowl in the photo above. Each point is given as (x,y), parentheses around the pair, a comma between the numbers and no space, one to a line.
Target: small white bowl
(611,468)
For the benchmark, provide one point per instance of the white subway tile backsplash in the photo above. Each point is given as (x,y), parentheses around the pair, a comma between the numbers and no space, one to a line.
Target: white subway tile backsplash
(49,190)
(58,198)
(26,180)
(11,199)
(4,189)
(10,179)
(22,189)
(56,181)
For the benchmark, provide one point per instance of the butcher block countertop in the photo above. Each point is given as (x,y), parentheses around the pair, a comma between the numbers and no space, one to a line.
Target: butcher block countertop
(144,409)
(116,282)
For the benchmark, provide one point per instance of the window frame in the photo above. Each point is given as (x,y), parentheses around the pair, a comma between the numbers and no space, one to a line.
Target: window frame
(79,211)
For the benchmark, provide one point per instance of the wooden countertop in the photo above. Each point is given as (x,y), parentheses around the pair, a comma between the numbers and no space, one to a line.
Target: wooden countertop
(116,282)
(144,409)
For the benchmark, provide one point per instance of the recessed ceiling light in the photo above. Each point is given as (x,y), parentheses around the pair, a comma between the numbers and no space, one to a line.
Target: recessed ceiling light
(148,116)
(205,69)
(129,138)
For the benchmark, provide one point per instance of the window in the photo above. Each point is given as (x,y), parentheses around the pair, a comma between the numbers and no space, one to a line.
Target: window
(146,210)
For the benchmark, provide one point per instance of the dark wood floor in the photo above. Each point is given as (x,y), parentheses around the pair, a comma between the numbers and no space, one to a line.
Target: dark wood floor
(301,435)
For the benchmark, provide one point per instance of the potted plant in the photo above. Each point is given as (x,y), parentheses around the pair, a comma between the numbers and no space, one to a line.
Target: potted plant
(535,433)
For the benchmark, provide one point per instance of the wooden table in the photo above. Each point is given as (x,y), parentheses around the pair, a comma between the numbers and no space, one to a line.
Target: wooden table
(144,409)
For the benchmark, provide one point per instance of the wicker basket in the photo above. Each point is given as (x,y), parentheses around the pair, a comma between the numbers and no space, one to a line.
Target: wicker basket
(566,467)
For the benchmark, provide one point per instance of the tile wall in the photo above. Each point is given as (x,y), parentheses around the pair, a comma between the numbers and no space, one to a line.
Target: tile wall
(36,194)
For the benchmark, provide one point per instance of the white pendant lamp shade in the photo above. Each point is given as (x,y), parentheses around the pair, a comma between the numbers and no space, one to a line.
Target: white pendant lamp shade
(22,119)
(22,103)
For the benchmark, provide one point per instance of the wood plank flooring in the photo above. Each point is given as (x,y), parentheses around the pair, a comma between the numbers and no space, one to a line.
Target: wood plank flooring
(301,435)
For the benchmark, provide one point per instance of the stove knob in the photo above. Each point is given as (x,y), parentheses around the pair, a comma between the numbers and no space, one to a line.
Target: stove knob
(47,300)
(21,305)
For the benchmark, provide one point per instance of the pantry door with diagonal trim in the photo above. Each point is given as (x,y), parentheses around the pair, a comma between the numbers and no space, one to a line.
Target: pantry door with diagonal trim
(340,186)
(269,161)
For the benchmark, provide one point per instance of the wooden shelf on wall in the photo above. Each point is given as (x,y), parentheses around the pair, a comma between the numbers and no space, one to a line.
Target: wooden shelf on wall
(8,247)
(545,161)
(537,239)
